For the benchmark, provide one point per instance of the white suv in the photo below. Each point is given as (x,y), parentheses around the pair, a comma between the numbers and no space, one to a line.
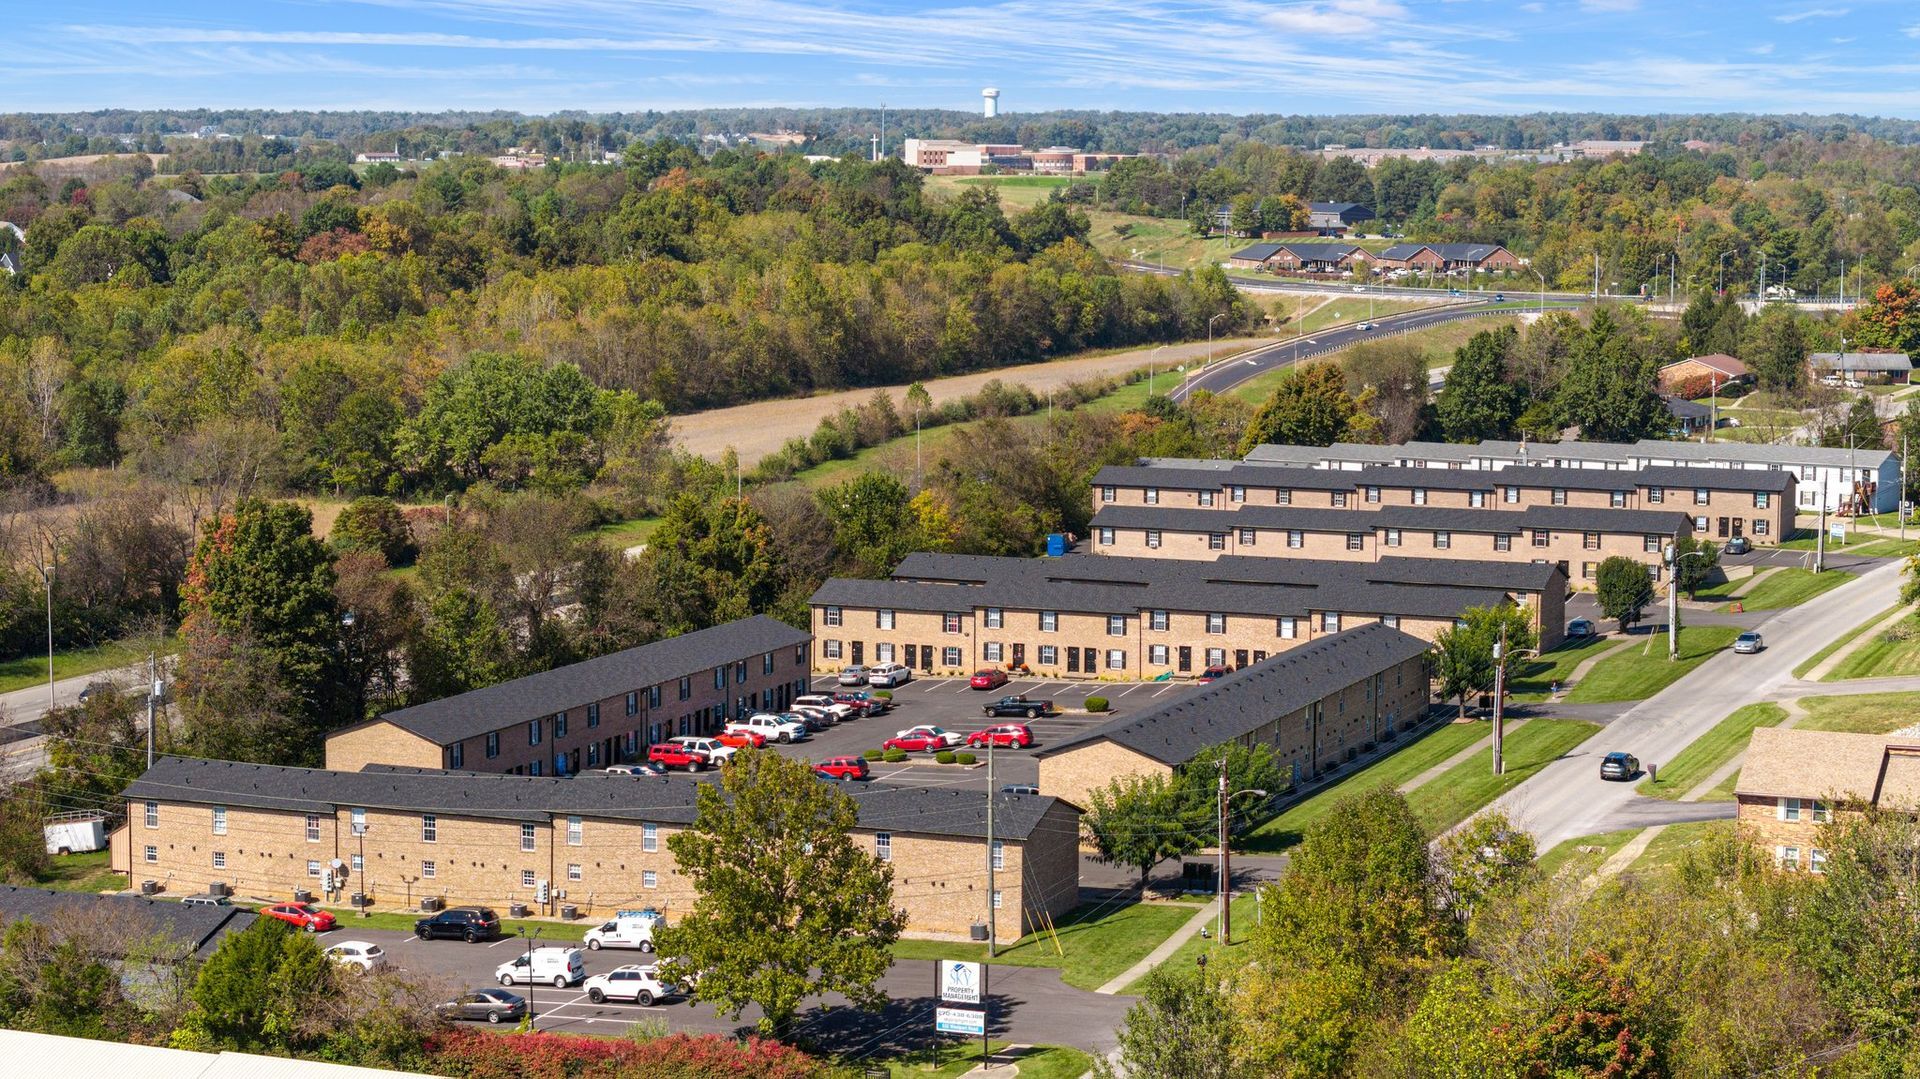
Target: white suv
(888,675)
(841,712)
(637,984)
(772,728)
(716,753)
(358,955)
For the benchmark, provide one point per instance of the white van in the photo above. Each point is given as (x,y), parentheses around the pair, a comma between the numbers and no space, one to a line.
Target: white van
(628,929)
(560,966)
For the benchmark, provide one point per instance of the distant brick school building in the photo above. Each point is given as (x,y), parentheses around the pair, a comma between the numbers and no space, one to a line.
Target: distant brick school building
(596,842)
(1715,370)
(1302,258)
(1087,617)
(950,157)
(1447,257)
(1316,706)
(1794,781)
(593,713)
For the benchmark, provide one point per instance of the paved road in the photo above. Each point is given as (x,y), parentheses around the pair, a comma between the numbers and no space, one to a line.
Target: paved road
(22,749)
(1568,797)
(1230,372)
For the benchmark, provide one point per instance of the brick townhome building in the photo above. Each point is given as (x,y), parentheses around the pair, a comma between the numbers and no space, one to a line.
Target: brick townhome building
(599,841)
(1794,781)
(1132,618)
(1318,706)
(594,713)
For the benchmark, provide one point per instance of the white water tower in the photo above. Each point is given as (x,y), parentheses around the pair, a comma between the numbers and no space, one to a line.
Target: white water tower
(990,99)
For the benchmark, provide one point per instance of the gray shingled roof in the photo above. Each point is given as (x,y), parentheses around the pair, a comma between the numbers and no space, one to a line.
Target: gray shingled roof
(1249,699)
(479,711)
(194,930)
(1872,362)
(1294,477)
(1601,519)
(1257,252)
(1773,480)
(1320,252)
(1179,479)
(662,799)
(1190,519)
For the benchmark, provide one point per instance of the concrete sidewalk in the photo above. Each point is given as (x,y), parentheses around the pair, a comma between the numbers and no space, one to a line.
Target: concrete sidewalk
(1164,952)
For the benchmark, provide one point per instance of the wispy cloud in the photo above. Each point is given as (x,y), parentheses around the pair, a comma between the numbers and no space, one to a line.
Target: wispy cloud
(1811,13)
(1610,5)
(1337,17)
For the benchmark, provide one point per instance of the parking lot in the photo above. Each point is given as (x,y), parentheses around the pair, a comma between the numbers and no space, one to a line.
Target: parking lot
(951,704)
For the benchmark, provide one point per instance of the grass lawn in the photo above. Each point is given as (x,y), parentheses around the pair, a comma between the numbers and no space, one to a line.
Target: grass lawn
(1246,913)
(1707,753)
(1396,768)
(1017,193)
(1791,587)
(1664,854)
(26,671)
(1534,679)
(1890,547)
(1458,792)
(1583,854)
(1867,713)
(1099,941)
(81,873)
(621,535)
(960,1056)
(1895,650)
(1841,642)
(1639,673)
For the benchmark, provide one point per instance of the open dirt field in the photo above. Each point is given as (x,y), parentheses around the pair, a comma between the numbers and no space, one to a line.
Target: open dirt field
(757,429)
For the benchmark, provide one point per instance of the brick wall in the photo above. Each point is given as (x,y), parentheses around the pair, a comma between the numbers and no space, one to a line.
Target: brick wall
(379,741)
(1760,822)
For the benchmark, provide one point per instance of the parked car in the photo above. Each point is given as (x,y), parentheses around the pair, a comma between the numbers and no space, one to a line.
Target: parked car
(559,967)
(1214,673)
(854,675)
(1004,736)
(207,900)
(1030,707)
(1619,766)
(843,768)
(770,728)
(740,739)
(301,916)
(643,768)
(493,1005)
(689,752)
(922,739)
(459,923)
(1580,627)
(1019,788)
(827,704)
(1737,545)
(865,703)
(636,984)
(888,675)
(988,678)
(1748,643)
(358,955)
(813,719)
(628,929)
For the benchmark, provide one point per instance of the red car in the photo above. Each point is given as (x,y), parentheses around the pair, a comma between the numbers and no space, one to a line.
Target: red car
(843,768)
(1215,673)
(864,703)
(989,678)
(922,740)
(301,916)
(1004,736)
(741,739)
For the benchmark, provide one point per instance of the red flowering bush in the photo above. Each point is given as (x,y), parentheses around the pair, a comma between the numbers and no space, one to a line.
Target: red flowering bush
(475,1055)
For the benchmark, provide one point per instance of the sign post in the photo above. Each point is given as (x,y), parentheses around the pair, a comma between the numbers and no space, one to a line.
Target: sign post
(965,984)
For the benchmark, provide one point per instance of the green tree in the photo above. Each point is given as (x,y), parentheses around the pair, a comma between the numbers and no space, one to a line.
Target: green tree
(1141,821)
(1463,661)
(1624,589)
(874,525)
(1775,349)
(463,645)
(1248,768)
(1859,427)
(94,748)
(372,523)
(1480,862)
(710,561)
(1695,560)
(1310,407)
(1599,1025)
(789,907)
(1480,400)
(1611,391)
(256,993)
(1455,1031)
(1182,1028)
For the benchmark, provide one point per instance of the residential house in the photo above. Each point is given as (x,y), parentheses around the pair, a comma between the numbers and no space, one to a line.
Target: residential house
(1794,781)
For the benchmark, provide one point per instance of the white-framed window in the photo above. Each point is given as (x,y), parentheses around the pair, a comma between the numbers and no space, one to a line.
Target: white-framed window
(999,854)
(457,755)
(1590,540)
(527,879)
(1283,497)
(574,832)
(1049,621)
(1650,544)
(633,699)
(1510,494)
(573,871)
(1296,538)
(1329,621)
(1116,625)
(1816,860)
(830,616)
(1542,537)
(950,655)
(1049,654)
(1821,812)
(1656,495)
(1373,493)
(493,744)
(1288,627)
(313,868)
(1788,809)
(992,651)
(1702,497)
(883,619)
(883,846)
(1356,541)
(1789,858)
(1206,498)
(1106,492)
(950,622)
(1391,621)
(1617,499)
(1442,541)
(883,652)
(1216,541)
(1106,536)
(1153,538)
(1216,657)
(649,878)
(1762,500)
(313,827)
(1216,623)
(1393,537)
(1339,500)
(152,854)
(152,814)
(1503,542)
(1587,570)
(533,732)
(429,869)
(1761,527)
(1236,492)
(1247,537)
(219,820)
(649,837)
(429,828)
(1157,655)
(1559,497)
(996,899)
(355,861)
(830,649)
(559,724)
(1419,496)
(529,837)
(219,859)
(1700,524)
(995,618)
(1477,499)
(1150,495)
(1157,620)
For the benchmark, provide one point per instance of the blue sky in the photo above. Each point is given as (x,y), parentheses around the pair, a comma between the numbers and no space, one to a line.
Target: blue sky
(1312,56)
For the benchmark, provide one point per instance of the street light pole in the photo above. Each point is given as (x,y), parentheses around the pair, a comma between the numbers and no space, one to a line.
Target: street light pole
(361,833)
(1499,699)
(46,577)
(1151,357)
(1226,854)
(1210,323)
(1723,272)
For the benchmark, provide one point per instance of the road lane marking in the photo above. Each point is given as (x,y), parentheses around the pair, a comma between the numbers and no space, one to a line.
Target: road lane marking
(503,940)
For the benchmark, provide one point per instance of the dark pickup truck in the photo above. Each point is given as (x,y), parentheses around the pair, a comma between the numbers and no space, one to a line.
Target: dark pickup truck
(1019,706)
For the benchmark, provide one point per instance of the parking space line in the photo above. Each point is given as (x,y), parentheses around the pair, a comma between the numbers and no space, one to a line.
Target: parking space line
(502,940)
(1126,691)
(1170,685)
(411,939)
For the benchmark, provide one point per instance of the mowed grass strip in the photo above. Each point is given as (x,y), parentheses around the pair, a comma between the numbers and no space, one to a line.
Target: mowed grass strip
(1665,853)
(1704,756)
(1639,673)
(1533,679)
(1431,748)
(1840,642)
(1583,854)
(962,1055)
(1099,941)
(1893,651)
(1457,793)
(1866,713)
(1792,587)
(31,670)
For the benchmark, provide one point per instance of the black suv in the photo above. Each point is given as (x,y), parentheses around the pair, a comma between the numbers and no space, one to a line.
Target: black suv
(465,923)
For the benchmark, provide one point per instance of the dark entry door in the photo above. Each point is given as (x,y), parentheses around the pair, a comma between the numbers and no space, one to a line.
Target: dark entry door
(859,652)
(1722,529)
(1073,660)
(1186,658)
(1019,655)
(1239,658)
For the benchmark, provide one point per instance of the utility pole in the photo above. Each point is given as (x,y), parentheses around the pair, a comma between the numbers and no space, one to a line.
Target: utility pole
(1673,604)
(1713,412)
(1596,275)
(1900,506)
(47,569)
(153,694)
(991,789)
(1499,702)
(1820,538)
(1225,889)
(916,450)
